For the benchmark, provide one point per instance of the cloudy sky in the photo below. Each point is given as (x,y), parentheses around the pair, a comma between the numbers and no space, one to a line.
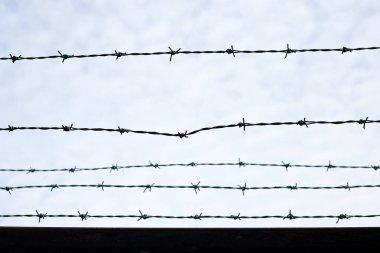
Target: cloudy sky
(192,91)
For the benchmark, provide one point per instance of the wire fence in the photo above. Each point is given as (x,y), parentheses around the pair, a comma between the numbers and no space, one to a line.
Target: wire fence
(196,187)
(240,163)
(200,216)
(231,51)
(186,134)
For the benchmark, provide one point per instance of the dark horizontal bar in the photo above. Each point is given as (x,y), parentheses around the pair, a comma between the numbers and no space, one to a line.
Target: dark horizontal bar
(32,239)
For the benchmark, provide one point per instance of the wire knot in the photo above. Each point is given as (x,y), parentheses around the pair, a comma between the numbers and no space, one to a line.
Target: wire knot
(154,165)
(173,52)
(148,187)
(119,54)
(114,167)
(289,51)
(295,187)
(346,49)
(290,216)
(101,186)
(231,51)
(14,58)
(302,122)
(183,135)
(341,217)
(286,165)
(122,130)
(143,216)
(11,128)
(243,188)
(242,124)
(41,216)
(64,56)
(236,217)
(241,163)
(330,166)
(197,216)
(363,122)
(8,189)
(67,128)
(195,187)
(83,216)
(31,170)
(53,186)
(192,164)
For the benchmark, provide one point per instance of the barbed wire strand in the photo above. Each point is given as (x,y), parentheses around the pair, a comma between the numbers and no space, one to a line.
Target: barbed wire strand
(240,163)
(186,134)
(196,187)
(200,216)
(13,58)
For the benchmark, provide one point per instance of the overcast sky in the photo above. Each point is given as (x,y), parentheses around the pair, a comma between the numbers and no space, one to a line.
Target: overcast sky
(192,91)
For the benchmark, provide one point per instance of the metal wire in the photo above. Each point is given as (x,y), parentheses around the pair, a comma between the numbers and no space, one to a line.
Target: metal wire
(240,163)
(186,134)
(171,53)
(200,216)
(196,187)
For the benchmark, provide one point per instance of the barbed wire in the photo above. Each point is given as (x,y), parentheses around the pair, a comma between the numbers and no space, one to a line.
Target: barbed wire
(200,216)
(231,51)
(243,124)
(240,163)
(196,187)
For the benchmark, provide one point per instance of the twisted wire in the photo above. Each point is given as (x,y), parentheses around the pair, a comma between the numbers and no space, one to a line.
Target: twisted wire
(200,216)
(240,163)
(231,51)
(186,134)
(196,187)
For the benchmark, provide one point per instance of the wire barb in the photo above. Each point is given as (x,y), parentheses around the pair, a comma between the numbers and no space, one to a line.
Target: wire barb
(290,216)
(286,165)
(31,170)
(11,128)
(346,49)
(114,167)
(195,187)
(154,165)
(8,189)
(341,217)
(302,122)
(83,216)
(15,58)
(243,188)
(363,122)
(295,187)
(53,186)
(242,124)
(346,187)
(65,56)
(67,128)
(41,216)
(329,166)
(241,163)
(193,164)
(122,130)
(183,135)
(197,216)
(289,51)
(148,187)
(101,185)
(173,52)
(119,54)
(143,216)
(72,170)
(231,51)
(236,217)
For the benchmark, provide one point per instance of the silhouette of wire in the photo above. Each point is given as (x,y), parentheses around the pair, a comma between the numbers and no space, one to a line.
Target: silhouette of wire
(186,134)
(240,163)
(200,216)
(171,53)
(196,187)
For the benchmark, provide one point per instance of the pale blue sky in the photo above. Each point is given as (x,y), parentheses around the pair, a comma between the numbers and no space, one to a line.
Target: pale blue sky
(190,92)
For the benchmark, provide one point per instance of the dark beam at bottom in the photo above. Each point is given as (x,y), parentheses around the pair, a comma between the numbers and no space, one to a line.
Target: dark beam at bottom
(144,240)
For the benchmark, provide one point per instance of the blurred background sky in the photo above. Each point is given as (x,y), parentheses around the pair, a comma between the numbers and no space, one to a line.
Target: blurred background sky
(192,91)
